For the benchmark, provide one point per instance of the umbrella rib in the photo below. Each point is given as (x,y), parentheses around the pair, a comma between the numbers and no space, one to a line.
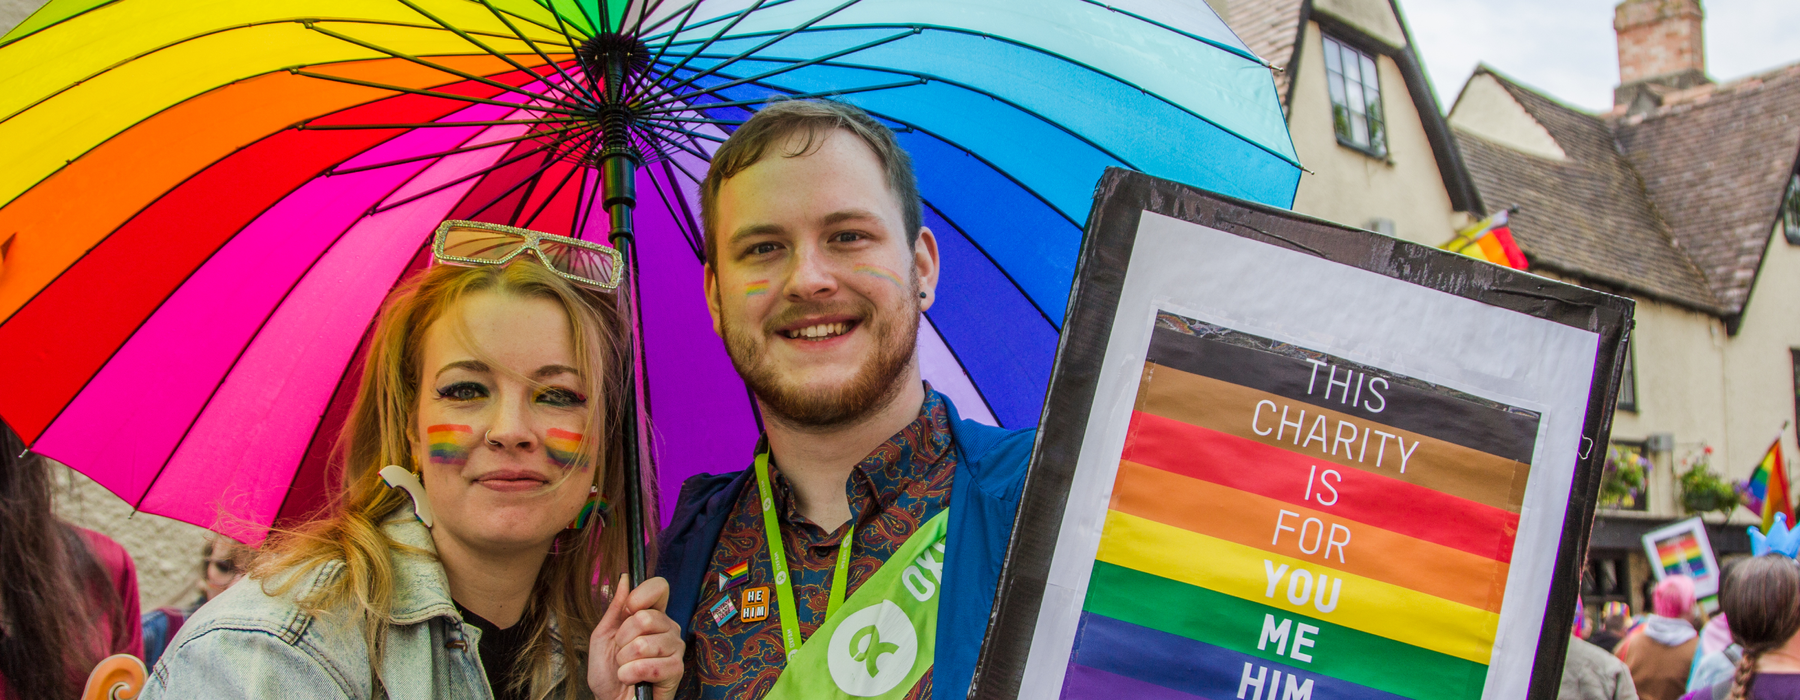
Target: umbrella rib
(551,197)
(522,155)
(484,47)
(670,97)
(637,27)
(575,86)
(549,158)
(690,151)
(434,93)
(307,126)
(709,42)
(531,183)
(444,69)
(741,55)
(695,134)
(991,261)
(638,79)
(696,120)
(684,219)
(790,96)
(691,7)
(463,149)
(563,28)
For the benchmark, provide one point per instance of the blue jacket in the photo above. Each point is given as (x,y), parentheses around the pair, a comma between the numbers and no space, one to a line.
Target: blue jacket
(984,497)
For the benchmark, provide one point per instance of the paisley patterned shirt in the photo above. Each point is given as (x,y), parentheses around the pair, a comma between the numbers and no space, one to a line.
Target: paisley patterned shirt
(899,486)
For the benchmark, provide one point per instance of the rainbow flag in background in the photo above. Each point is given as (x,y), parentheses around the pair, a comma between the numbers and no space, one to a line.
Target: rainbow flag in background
(1253,546)
(1681,555)
(1767,492)
(1490,239)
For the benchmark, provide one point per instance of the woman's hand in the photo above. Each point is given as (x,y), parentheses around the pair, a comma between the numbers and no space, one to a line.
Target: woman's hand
(635,642)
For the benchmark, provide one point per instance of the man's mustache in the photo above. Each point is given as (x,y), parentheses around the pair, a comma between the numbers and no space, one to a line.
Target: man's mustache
(859,309)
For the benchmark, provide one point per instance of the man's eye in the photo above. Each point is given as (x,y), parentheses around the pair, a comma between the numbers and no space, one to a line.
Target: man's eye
(762,249)
(848,236)
(463,391)
(564,398)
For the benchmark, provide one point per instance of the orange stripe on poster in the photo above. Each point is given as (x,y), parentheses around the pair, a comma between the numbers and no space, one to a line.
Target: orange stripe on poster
(1346,545)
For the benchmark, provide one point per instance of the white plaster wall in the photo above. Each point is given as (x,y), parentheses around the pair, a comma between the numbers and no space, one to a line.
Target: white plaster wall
(1350,187)
(1487,110)
(167,552)
(1758,378)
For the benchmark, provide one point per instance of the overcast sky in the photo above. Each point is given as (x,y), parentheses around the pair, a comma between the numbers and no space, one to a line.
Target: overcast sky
(1567,47)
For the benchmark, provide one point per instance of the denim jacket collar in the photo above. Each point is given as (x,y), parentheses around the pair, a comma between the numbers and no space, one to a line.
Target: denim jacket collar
(421,590)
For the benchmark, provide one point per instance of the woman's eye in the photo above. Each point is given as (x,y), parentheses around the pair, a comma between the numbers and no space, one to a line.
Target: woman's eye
(561,398)
(463,391)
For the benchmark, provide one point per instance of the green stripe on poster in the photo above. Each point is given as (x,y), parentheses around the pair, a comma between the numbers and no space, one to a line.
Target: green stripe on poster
(1222,620)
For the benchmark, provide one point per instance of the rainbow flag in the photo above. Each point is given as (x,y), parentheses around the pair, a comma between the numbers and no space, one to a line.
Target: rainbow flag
(734,576)
(1269,536)
(1489,239)
(1767,492)
(1681,555)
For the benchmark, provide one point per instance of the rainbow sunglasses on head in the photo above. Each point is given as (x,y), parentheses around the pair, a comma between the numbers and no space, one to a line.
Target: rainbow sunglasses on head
(471,243)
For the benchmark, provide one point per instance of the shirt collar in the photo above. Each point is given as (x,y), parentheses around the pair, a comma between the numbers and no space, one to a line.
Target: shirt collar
(910,455)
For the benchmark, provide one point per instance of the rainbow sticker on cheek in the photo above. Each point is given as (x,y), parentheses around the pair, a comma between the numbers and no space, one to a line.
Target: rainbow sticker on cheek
(757,287)
(564,448)
(881,272)
(449,443)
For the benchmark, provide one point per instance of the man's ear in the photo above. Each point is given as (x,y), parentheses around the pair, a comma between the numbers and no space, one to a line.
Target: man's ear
(925,260)
(710,287)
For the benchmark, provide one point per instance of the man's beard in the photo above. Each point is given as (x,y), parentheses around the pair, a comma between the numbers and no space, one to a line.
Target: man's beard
(877,382)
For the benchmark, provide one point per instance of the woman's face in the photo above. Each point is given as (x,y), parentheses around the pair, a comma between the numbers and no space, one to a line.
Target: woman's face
(500,444)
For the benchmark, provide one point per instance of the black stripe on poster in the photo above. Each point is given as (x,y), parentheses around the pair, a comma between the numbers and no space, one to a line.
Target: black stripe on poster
(1331,382)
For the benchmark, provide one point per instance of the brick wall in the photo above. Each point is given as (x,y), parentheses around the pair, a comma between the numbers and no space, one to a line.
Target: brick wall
(1658,38)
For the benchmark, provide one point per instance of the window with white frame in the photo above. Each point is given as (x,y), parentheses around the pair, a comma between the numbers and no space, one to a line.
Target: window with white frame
(1355,98)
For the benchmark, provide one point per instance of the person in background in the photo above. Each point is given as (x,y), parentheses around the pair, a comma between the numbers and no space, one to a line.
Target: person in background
(1590,673)
(1615,616)
(1661,651)
(1763,601)
(1717,656)
(68,596)
(221,564)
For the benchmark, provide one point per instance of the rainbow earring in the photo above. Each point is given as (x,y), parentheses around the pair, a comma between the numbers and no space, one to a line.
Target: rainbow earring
(594,503)
(398,477)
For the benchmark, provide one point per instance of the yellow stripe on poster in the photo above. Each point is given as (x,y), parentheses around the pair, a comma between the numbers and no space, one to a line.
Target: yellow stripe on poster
(1400,614)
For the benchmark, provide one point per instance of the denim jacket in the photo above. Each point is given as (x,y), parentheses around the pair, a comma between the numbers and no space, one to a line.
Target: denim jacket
(245,644)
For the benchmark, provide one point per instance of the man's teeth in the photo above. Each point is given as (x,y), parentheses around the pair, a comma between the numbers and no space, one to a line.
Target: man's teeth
(823,330)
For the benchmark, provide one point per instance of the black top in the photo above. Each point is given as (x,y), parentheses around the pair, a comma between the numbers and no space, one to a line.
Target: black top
(500,650)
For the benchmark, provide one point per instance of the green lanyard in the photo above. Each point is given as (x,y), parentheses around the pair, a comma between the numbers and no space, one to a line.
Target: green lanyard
(784,589)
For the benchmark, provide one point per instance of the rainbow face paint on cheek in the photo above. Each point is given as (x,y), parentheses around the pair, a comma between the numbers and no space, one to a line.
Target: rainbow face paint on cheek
(881,272)
(564,448)
(449,443)
(756,288)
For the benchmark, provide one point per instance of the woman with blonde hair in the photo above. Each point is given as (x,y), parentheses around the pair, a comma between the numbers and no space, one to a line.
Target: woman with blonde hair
(470,555)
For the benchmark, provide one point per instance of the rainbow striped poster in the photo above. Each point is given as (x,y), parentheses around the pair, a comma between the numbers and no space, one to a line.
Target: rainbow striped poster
(1683,549)
(1287,524)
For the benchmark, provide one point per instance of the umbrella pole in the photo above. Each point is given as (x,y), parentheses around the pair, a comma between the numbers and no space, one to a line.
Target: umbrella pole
(619,161)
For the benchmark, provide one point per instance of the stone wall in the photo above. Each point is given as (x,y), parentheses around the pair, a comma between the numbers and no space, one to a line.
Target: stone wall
(167,552)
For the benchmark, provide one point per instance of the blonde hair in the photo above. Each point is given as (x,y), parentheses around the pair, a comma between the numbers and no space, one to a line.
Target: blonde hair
(567,599)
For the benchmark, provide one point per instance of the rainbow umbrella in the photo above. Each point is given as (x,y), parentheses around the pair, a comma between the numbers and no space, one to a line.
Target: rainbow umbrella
(208,199)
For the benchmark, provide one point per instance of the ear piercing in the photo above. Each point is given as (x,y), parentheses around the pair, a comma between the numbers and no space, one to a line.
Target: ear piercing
(921,295)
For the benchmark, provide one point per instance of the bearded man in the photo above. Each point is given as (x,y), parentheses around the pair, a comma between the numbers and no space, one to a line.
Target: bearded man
(858,556)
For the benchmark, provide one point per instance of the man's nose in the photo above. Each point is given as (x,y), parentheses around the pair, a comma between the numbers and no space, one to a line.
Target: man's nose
(813,275)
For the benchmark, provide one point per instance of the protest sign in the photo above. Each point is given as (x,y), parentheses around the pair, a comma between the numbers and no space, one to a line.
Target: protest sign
(1683,548)
(1284,459)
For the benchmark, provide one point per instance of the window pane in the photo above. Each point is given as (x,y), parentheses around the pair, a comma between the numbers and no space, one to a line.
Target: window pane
(1356,101)
(1331,57)
(1790,211)
(1335,83)
(1359,130)
(1351,72)
(1368,71)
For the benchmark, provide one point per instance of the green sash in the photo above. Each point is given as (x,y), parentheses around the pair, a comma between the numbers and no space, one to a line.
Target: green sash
(881,641)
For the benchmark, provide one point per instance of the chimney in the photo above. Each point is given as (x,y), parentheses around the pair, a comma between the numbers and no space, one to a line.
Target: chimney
(1661,49)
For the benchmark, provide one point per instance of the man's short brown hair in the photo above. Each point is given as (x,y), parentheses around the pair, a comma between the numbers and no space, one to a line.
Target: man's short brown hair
(777,121)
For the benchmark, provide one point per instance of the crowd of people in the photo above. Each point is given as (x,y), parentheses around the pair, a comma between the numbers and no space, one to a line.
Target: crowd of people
(1748,651)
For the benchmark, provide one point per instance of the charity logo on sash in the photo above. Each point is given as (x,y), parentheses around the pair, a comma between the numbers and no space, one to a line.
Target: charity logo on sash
(873,650)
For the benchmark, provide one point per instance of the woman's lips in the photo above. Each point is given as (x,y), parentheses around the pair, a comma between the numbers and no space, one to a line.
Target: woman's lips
(512,481)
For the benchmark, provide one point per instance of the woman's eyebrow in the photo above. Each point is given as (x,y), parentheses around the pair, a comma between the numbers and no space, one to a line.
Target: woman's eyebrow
(547,371)
(476,366)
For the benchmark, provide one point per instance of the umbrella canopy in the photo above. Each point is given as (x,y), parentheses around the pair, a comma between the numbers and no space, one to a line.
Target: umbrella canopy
(211,197)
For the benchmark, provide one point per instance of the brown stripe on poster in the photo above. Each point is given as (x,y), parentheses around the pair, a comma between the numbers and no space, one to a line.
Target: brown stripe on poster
(1323,380)
(1333,437)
